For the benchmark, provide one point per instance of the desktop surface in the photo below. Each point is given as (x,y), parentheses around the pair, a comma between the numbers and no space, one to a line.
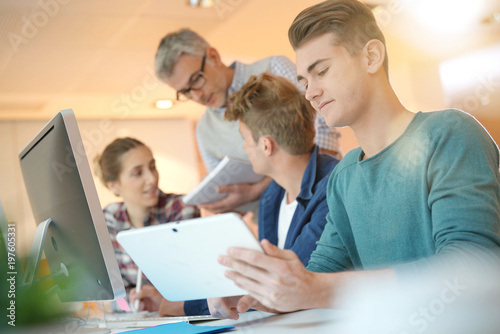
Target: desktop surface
(257,322)
(308,321)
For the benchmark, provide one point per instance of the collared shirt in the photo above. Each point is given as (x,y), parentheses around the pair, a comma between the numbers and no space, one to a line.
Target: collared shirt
(170,208)
(326,138)
(309,218)
(308,221)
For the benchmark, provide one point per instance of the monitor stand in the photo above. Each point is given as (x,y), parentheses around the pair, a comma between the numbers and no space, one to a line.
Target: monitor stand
(36,255)
(29,278)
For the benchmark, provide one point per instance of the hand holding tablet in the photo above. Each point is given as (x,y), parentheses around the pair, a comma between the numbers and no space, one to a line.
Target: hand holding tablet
(180,259)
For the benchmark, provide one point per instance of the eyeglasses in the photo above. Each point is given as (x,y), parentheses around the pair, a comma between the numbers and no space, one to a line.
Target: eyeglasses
(195,83)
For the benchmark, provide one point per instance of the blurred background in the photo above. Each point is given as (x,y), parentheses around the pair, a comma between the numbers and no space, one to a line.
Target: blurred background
(97,58)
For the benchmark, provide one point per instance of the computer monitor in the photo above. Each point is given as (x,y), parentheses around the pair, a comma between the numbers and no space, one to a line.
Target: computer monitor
(71,227)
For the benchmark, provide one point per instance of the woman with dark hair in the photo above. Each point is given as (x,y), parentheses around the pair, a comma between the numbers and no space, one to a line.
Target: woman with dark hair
(127,168)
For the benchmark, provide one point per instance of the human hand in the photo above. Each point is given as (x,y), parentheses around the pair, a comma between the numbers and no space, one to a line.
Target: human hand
(149,298)
(168,308)
(237,195)
(277,279)
(206,213)
(248,219)
(229,307)
(224,307)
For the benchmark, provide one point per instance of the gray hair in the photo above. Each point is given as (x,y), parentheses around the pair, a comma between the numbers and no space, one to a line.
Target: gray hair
(173,45)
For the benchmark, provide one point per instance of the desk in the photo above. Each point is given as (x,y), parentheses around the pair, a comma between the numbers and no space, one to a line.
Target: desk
(303,322)
(308,321)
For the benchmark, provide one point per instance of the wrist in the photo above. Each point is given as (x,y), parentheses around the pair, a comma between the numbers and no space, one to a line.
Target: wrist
(168,308)
(321,291)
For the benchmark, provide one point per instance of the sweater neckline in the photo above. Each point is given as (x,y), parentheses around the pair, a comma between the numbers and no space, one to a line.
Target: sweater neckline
(388,147)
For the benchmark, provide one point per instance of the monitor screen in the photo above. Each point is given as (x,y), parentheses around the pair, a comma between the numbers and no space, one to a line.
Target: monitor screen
(60,187)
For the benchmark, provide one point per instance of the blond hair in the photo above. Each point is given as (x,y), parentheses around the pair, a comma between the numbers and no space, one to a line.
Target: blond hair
(352,23)
(272,106)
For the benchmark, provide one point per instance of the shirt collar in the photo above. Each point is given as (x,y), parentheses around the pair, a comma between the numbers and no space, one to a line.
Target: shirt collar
(238,77)
(122,218)
(236,84)
(154,215)
(309,178)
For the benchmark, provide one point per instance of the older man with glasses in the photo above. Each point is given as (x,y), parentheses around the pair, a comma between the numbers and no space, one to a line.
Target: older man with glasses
(196,83)
(187,63)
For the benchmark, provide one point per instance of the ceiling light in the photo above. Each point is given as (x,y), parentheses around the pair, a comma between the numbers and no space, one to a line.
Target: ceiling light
(447,16)
(201,3)
(471,79)
(164,104)
(494,18)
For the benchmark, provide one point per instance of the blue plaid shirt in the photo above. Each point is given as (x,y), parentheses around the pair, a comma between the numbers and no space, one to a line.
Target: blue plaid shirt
(326,138)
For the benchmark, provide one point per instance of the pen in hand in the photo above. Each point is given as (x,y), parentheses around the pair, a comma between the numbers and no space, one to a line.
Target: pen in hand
(138,288)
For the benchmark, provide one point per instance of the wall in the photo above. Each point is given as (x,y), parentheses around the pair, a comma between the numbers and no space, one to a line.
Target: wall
(172,143)
(492,125)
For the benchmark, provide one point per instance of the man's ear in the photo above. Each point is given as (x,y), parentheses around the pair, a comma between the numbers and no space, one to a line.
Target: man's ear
(375,55)
(213,57)
(267,145)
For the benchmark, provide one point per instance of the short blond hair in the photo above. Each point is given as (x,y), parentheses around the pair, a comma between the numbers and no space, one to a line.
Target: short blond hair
(272,106)
(352,23)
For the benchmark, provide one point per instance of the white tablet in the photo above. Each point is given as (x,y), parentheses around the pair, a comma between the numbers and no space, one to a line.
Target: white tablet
(180,259)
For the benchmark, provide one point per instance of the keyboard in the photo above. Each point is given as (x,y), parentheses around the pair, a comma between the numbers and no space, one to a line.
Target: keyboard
(134,321)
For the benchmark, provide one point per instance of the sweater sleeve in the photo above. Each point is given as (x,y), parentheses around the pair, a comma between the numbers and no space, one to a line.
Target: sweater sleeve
(463,182)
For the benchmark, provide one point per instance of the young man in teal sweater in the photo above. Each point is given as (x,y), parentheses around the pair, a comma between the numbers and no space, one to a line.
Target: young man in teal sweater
(420,186)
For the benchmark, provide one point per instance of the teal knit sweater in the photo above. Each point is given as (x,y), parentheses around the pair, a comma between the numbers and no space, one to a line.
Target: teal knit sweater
(432,191)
